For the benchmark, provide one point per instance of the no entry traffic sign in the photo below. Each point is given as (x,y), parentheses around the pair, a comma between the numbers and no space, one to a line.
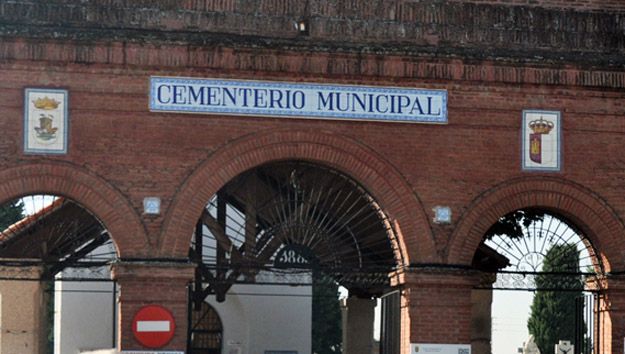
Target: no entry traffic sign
(153,326)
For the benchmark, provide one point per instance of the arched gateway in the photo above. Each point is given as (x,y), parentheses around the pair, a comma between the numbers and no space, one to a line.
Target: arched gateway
(356,212)
(553,219)
(299,224)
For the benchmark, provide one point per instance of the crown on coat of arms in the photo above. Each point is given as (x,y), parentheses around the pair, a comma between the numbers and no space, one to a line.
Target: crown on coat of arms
(46,103)
(541,126)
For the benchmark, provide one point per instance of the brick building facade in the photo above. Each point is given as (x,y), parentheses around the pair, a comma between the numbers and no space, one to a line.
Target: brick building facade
(494,58)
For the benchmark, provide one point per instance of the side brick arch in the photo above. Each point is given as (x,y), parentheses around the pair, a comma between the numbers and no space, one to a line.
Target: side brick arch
(91,192)
(597,220)
(364,165)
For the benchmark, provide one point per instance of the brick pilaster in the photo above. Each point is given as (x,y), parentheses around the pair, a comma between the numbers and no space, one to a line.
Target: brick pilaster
(23,303)
(611,306)
(436,306)
(152,283)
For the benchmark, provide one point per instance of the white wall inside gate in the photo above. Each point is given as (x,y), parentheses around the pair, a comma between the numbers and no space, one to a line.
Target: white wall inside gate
(255,318)
(259,318)
(83,316)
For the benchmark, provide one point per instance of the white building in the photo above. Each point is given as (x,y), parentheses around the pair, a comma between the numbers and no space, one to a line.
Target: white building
(255,319)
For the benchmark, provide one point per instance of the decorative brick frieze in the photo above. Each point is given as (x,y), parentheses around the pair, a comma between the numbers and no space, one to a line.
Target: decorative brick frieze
(585,33)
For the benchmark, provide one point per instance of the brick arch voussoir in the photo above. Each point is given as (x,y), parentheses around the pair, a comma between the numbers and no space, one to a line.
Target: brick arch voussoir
(88,190)
(600,223)
(378,176)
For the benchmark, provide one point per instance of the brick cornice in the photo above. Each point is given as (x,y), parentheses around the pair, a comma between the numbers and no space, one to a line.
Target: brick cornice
(441,276)
(242,61)
(28,272)
(160,270)
(526,30)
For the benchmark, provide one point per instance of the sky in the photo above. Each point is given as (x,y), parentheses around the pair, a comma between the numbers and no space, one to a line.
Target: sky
(35,203)
(510,312)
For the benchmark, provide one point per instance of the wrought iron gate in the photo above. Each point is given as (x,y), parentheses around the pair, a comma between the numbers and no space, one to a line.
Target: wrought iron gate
(391,323)
(280,223)
(205,329)
(588,324)
(543,252)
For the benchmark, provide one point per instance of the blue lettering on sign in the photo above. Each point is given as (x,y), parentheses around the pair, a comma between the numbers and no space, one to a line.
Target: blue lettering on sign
(282,99)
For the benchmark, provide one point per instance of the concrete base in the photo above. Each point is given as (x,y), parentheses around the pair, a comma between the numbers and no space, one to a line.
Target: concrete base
(358,325)
(481,304)
(22,312)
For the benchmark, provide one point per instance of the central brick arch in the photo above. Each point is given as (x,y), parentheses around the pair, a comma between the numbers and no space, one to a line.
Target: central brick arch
(361,163)
(585,209)
(91,192)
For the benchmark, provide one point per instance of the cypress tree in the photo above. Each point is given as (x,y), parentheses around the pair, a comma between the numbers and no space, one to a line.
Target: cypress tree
(553,311)
(326,316)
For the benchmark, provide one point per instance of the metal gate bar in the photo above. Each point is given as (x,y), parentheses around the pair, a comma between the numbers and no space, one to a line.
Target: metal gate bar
(588,324)
(391,323)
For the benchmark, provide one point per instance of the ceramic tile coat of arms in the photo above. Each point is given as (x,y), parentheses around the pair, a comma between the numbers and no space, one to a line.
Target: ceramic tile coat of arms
(45,121)
(542,142)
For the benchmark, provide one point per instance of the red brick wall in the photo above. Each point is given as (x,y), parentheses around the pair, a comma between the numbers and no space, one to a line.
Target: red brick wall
(114,137)
(577,5)
(138,153)
(436,307)
(370,7)
(494,61)
(143,284)
(482,29)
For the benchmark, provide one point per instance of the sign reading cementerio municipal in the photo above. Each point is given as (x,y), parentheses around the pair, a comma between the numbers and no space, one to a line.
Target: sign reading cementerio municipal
(305,100)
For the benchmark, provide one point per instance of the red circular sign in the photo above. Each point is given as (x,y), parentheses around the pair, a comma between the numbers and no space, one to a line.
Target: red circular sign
(153,326)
